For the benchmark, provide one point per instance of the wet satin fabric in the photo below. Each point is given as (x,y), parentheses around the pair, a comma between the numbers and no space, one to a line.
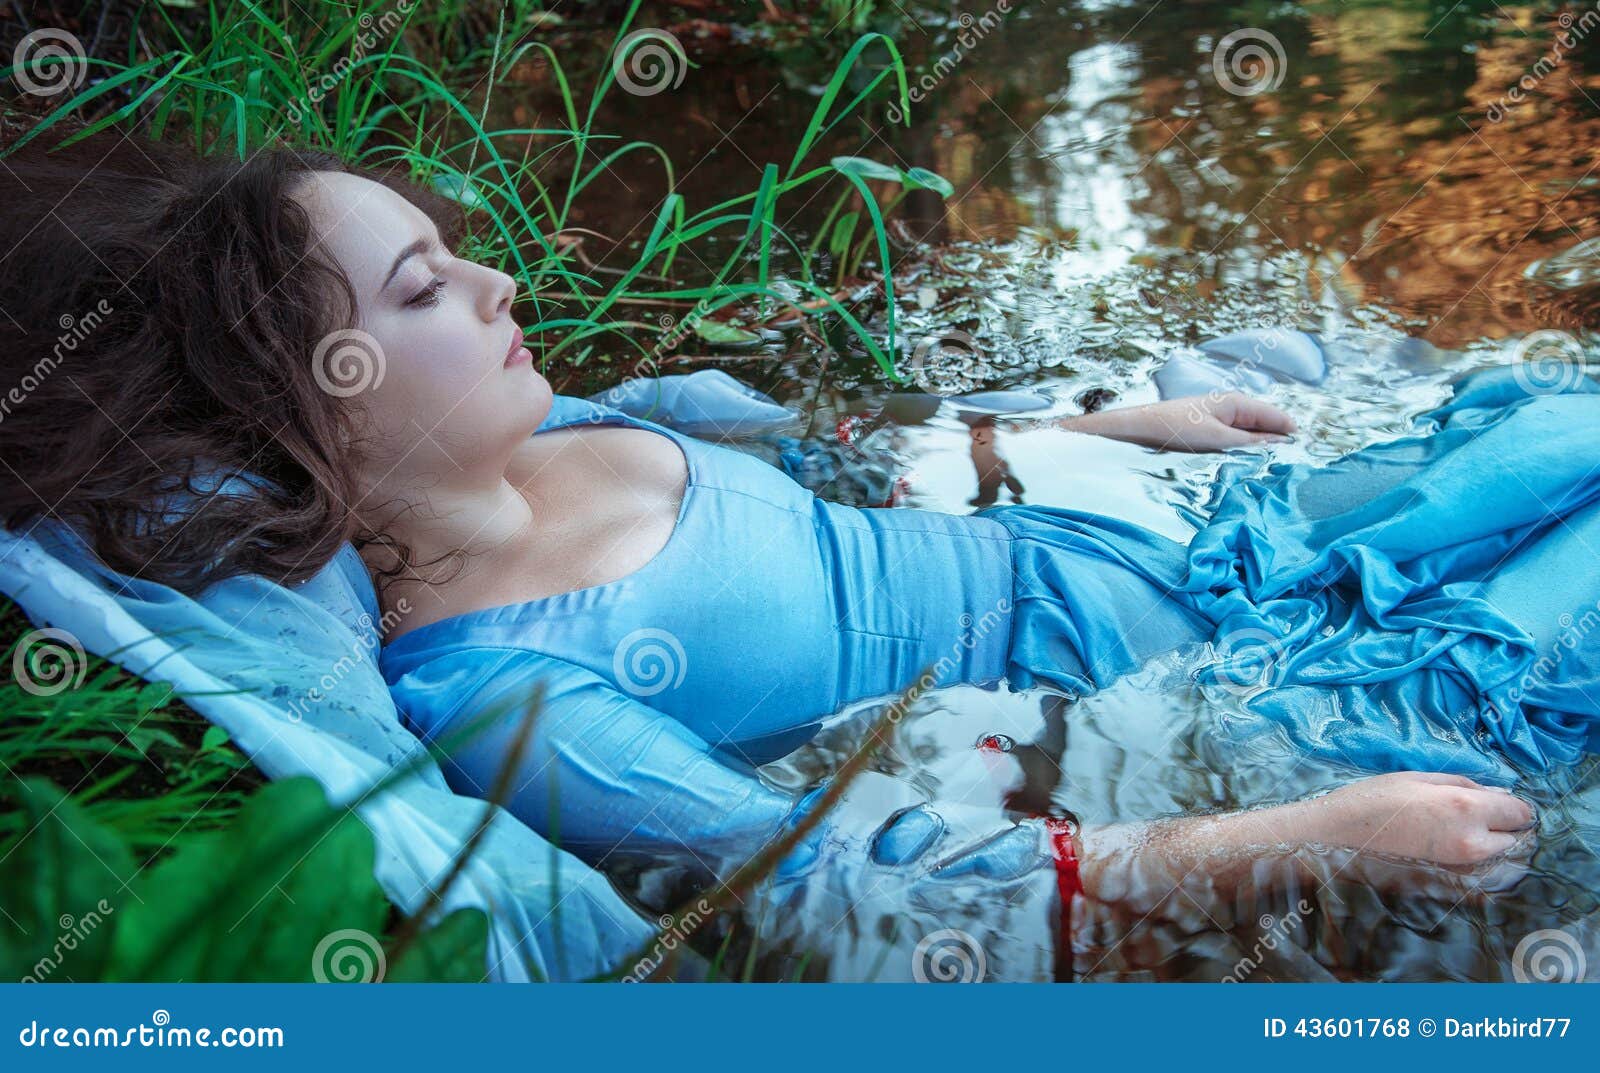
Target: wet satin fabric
(1420,604)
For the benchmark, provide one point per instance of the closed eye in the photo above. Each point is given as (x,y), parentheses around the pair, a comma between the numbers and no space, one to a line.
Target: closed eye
(428,296)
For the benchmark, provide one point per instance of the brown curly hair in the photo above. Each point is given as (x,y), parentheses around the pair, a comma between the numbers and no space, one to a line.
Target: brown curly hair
(161,311)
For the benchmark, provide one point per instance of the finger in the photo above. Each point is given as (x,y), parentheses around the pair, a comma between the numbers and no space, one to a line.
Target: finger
(1442,779)
(1258,415)
(1505,812)
(1493,844)
(1217,435)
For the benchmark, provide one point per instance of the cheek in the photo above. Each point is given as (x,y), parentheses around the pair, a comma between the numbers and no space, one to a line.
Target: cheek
(460,406)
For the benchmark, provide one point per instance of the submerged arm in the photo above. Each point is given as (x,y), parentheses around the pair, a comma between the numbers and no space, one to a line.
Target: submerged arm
(1430,818)
(1200,423)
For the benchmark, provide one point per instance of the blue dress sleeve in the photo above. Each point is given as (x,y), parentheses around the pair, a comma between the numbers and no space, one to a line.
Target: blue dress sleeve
(600,770)
(614,781)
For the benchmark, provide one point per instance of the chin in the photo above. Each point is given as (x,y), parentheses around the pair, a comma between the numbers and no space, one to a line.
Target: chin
(538,399)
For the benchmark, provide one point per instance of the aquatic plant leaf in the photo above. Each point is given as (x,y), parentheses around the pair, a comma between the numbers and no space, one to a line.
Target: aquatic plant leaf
(719,333)
(866,169)
(923,179)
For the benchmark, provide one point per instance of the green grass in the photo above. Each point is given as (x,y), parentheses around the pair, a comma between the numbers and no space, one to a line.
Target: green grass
(135,759)
(248,77)
(129,779)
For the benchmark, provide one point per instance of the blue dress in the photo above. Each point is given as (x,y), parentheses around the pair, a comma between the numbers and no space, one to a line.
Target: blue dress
(1426,604)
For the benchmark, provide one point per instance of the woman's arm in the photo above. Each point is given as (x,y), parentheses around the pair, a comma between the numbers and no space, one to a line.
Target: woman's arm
(1201,423)
(1444,820)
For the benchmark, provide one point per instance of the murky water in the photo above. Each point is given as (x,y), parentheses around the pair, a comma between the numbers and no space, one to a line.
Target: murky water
(1414,182)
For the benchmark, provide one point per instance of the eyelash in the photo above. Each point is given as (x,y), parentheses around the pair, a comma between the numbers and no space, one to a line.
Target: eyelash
(428,296)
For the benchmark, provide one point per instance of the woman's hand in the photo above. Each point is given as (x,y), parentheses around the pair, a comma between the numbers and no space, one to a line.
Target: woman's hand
(1445,819)
(1202,423)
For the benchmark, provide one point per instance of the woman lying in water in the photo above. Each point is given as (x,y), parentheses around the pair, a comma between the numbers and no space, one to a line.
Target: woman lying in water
(686,610)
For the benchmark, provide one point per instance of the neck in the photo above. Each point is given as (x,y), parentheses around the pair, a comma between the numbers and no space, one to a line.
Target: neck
(456,512)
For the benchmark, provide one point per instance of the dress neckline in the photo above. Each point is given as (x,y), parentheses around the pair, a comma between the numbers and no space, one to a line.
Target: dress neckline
(589,592)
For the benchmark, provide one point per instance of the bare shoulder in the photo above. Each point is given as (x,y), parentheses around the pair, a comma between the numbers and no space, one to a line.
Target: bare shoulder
(632,456)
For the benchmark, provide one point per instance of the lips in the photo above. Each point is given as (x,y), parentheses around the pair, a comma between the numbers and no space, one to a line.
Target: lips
(516,353)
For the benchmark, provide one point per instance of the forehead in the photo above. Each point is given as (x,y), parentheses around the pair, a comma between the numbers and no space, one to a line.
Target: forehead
(363,223)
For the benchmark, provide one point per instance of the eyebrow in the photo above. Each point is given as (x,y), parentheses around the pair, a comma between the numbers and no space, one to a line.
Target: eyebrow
(420,245)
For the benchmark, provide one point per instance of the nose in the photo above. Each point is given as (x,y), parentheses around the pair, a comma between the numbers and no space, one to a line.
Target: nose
(497,295)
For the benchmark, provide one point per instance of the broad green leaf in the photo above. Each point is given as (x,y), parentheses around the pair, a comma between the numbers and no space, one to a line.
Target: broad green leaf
(719,333)
(923,179)
(863,168)
(843,231)
(62,889)
(214,738)
(254,902)
(452,951)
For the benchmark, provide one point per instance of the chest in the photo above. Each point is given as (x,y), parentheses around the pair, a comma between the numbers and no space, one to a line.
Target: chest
(605,502)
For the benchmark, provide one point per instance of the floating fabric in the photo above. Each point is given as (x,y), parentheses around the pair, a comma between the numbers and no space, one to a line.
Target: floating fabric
(704,403)
(1249,361)
(292,675)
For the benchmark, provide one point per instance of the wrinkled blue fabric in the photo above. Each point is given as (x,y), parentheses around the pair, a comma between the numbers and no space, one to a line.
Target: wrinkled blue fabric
(704,403)
(291,674)
(1388,610)
(1249,361)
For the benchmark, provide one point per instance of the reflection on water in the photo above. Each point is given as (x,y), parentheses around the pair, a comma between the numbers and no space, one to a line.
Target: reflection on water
(1407,189)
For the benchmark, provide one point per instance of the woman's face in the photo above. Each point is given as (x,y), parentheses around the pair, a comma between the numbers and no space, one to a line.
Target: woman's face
(436,371)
